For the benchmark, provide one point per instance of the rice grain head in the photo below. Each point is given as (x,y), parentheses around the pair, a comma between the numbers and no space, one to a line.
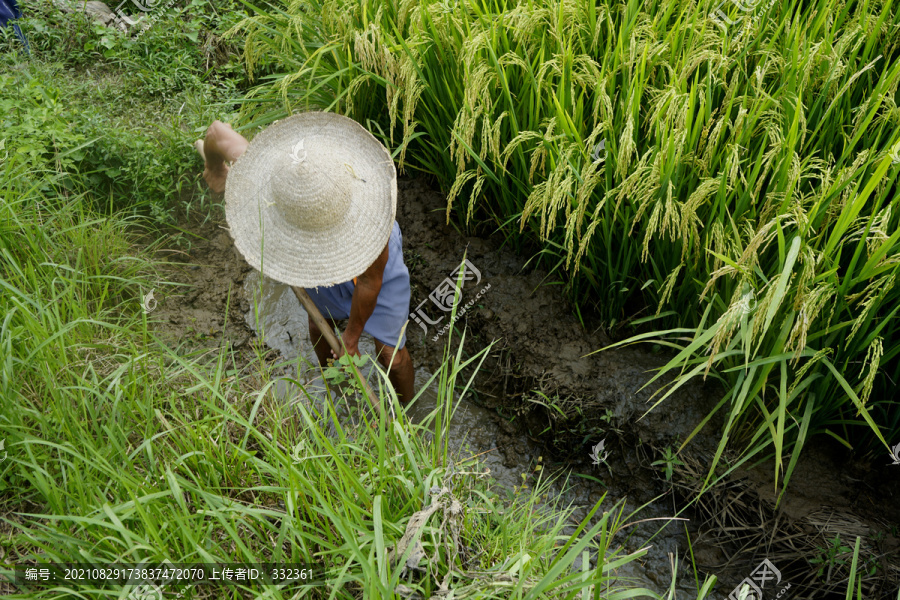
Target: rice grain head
(872,361)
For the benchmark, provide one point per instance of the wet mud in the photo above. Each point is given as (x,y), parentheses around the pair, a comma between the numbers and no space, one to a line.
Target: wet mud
(200,302)
(540,394)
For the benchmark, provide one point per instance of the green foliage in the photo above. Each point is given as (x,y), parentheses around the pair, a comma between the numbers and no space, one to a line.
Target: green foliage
(141,100)
(669,461)
(50,32)
(118,162)
(735,171)
(172,49)
(831,557)
(33,123)
(337,372)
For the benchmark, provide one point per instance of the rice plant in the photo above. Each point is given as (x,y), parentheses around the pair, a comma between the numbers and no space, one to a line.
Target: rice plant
(729,181)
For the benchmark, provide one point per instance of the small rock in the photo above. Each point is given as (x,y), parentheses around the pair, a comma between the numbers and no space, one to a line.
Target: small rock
(99,11)
(406,592)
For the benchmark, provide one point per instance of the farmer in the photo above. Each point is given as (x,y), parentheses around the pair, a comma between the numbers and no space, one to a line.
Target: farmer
(323,190)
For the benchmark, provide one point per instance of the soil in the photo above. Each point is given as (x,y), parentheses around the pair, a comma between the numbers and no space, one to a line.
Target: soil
(204,308)
(833,499)
(547,395)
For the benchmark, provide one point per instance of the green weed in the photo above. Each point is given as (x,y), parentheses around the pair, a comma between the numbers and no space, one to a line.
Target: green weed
(669,461)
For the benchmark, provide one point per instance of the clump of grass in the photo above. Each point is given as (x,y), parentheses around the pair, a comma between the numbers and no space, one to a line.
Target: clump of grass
(758,169)
(141,102)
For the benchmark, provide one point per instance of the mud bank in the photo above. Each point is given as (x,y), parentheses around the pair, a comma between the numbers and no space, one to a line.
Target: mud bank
(833,499)
(221,300)
(202,307)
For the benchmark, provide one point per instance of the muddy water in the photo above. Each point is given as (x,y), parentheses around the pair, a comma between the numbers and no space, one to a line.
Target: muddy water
(278,318)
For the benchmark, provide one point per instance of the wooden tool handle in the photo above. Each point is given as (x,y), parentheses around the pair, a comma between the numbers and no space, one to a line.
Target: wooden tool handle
(323,325)
(328,332)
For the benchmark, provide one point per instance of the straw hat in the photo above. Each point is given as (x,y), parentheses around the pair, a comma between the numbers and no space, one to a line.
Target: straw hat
(312,200)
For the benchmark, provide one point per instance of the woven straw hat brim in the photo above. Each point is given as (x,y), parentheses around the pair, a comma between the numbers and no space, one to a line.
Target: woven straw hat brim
(344,154)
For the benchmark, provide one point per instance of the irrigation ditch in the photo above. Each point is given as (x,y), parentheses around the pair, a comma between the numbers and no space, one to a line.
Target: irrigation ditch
(542,398)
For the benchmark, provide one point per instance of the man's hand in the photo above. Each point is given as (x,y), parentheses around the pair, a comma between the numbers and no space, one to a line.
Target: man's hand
(351,343)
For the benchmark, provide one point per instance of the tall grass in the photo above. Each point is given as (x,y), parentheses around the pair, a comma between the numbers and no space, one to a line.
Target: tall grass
(745,204)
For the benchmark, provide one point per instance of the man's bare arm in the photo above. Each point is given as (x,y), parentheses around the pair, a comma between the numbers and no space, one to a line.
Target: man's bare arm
(365,297)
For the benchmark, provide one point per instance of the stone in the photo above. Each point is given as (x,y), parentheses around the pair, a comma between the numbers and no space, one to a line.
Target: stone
(99,11)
